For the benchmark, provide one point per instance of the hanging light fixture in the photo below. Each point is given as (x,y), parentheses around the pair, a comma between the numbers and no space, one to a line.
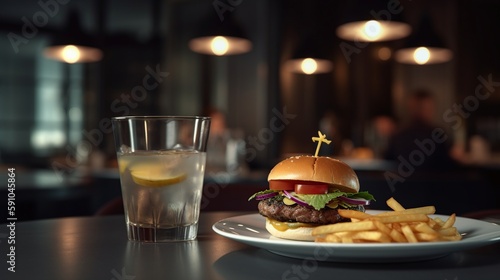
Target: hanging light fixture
(309,58)
(424,46)
(311,54)
(309,65)
(73,45)
(220,38)
(372,21)
(373,30)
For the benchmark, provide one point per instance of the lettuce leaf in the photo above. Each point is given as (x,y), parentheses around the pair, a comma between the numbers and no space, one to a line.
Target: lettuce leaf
(364,194)
(261,192)
(319,201)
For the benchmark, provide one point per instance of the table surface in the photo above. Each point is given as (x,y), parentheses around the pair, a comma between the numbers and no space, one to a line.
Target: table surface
(97,248)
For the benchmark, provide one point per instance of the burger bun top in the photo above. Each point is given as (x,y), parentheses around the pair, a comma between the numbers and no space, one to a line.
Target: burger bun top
(317,169)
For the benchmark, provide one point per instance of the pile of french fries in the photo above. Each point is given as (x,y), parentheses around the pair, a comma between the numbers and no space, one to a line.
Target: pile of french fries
(400,225)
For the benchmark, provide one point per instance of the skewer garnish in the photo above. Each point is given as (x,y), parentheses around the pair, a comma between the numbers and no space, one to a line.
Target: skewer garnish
(320,139)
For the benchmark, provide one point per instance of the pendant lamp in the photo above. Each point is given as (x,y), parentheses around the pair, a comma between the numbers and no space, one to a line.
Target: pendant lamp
(220,37)
(309,57)
(72,44)
(372,21)
(424,46)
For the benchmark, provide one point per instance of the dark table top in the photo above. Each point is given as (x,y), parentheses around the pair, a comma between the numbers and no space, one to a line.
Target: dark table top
(97,248)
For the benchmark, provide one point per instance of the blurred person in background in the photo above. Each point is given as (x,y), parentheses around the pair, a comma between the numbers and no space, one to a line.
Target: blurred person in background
(378,134)
(421,108)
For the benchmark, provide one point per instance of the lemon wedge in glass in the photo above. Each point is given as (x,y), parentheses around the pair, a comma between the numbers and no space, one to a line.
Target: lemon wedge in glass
(153,178)
(122,165)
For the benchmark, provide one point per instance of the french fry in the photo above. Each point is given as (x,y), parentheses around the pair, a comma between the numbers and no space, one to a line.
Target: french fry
(394,205)
(339,227)
(320,239)
(439,222)
(427,237)
(397,236)
(332,238)
(382,227)
(404,218)
(448,231)
(343,233)
(353,214)
(400,225)
(347,239)
(427,210)
(375,236)
(408,233)
(450,221)
(432,223)
(451,238)
(424,228)
(397,227)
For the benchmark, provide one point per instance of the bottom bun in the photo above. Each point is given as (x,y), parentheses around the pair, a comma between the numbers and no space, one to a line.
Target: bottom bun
(300,233)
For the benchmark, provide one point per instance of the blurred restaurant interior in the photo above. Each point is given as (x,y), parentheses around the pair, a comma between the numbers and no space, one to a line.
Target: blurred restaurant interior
(285,70)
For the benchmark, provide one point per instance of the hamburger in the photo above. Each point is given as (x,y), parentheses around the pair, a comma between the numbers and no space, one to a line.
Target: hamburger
(307,191)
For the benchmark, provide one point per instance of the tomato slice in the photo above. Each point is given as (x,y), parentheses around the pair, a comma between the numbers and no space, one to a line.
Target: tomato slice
(300,187)
(282,185)
(311,188)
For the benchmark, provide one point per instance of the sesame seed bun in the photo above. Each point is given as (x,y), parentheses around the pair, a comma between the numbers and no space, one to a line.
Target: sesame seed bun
(317,169)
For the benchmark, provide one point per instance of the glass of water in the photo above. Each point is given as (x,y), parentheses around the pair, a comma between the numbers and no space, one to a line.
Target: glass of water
(162,163)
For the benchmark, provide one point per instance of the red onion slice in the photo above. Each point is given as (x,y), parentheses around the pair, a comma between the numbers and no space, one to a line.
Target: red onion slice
(295,199)
(356,201)
(266,196)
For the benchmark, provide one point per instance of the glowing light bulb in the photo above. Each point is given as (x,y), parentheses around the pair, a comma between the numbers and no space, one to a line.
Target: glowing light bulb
(70,54)
(309,66)
(219,45)
(421,55)
(372,29)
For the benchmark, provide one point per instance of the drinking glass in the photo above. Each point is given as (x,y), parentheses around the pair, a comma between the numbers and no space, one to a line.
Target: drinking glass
(162,163)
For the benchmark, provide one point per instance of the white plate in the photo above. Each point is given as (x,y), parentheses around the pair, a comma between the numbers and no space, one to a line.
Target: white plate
(250,229)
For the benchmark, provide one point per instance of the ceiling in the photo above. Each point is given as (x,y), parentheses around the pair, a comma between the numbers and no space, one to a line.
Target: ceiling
(112,16)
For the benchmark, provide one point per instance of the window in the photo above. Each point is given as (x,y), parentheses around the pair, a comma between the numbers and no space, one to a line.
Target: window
(37,98)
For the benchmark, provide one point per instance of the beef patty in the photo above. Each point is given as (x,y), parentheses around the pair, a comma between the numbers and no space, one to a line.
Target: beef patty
(277,210)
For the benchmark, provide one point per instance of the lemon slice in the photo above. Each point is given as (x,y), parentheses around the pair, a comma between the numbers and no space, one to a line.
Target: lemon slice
(122,164)
(150,178)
